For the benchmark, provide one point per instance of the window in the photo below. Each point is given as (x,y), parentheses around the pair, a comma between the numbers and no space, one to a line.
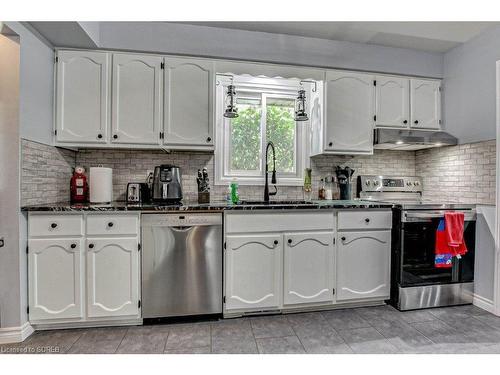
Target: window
(266,113)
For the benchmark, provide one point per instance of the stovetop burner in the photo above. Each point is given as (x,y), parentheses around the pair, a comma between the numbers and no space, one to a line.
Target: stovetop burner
(403,191)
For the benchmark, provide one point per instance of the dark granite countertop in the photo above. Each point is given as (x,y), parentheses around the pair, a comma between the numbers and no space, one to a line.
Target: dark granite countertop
(213,206)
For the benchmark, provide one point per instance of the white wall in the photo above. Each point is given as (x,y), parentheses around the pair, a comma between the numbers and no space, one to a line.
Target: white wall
(205,41)
(11,260)
(485,253)
(37,86)
(469,87)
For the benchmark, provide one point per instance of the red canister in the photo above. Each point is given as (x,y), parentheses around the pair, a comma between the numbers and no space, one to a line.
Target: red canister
(79,189)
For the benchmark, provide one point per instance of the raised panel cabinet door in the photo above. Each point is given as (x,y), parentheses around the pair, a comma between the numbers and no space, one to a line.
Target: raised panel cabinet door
(189,92)
(137,89)
(82,96)
(363,265)
(392,98)
(55,279)
(350,110)
(253,271)
(112,277)
(308,268)
(425,98)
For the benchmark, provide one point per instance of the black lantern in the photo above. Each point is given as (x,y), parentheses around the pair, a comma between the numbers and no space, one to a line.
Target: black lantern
(231,110)
(300,106)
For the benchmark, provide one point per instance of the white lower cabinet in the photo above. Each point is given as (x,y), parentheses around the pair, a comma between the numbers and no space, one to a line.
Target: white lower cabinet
(363,265)
(253,271)
(308,268)
(112,277)
(55,283)
(75,279)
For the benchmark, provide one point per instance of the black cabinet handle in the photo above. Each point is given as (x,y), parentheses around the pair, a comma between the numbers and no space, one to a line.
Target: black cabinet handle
(405,122)
(91,245)
(53,225)
(343,238)
(330,144)
(415,122)
(289,240)
(73,245)
(115,136)
(99,136)
(276,242)
(110,224)
(209,139)
(367,220)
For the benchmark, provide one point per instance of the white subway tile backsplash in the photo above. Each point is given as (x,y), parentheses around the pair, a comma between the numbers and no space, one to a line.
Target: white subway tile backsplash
(464,173)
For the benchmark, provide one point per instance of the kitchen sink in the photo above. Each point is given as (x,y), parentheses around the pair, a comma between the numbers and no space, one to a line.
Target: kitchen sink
(275,203)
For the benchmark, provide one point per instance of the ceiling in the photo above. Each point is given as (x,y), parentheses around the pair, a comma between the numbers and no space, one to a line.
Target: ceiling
(425,36)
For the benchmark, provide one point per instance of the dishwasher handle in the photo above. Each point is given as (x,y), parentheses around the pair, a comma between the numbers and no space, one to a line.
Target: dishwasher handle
(182,228)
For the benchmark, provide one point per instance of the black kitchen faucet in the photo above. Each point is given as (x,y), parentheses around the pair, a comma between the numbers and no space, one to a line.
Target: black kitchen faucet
(273,177)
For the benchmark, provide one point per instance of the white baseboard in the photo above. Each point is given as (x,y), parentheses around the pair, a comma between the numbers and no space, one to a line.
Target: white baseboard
(483,303)
(12,335)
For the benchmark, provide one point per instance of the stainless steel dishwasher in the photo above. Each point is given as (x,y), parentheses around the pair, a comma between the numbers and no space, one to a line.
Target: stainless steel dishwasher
(181,264)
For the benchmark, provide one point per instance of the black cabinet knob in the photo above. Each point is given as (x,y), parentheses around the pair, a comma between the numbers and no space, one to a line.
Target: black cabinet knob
(343,238)
(99,136)
(275,242)
(289,240)
(405,122)
(330,144)
(73,245)
(91,245)
(110,224)
(367,220)
(115,136)
(53,225)
(415,122)
(209,139)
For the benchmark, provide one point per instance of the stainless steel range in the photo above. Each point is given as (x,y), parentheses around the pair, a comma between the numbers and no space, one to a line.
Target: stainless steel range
(416,281)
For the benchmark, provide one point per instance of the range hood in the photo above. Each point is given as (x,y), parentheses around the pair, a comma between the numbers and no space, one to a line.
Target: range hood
(411,140)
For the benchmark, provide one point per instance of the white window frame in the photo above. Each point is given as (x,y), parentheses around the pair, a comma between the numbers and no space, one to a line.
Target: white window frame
(273,87)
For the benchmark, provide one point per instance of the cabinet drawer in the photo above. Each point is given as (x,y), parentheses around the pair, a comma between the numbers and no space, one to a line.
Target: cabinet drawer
(55,225)
(364,220)
(112,224)
(279,221)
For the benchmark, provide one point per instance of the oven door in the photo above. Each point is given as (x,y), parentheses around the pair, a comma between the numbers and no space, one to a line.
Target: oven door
(418,238)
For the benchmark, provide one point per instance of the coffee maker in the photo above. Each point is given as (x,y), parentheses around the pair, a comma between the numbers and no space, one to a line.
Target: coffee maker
(344,179)
(167,185)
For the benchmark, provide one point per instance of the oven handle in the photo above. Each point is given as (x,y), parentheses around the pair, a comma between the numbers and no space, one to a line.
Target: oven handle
(422,216)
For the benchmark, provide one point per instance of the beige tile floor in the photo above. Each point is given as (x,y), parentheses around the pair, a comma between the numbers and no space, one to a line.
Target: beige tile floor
(463,329)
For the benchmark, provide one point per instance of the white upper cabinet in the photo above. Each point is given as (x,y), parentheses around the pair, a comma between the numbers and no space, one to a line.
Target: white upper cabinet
(425,104)
(363,265)
(189,92)
(350,110)
(392,102)
(308,268)
(112,277)
(253,272)
(136,97)
(82,97)
(55,284)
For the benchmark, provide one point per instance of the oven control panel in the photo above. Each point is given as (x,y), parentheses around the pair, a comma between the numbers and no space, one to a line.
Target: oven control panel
(390,183)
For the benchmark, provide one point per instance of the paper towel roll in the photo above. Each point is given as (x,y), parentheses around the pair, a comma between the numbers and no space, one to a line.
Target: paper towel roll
(101,185)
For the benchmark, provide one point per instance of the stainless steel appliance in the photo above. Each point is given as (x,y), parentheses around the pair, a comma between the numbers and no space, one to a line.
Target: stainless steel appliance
(181,265)
(137,192)
(397,139)
(167,186)
(415,280)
